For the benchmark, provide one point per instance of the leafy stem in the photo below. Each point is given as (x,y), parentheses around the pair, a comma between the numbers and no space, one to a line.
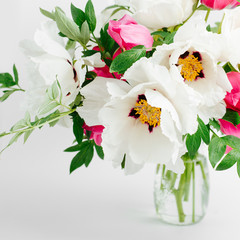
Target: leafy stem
(38,124)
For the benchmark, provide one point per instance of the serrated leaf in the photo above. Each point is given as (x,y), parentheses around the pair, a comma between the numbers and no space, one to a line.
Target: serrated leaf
(99,151)
(204,131)
(27,135)
(15,73)
(78,15)
(77,128)
(67,26)
(90,16)
(47,108)
(229,160)
(47,14)
(216,150)
(193,143)
(126,59)
(85,33)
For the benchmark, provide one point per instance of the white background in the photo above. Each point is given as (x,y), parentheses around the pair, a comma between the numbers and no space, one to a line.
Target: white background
(39,200)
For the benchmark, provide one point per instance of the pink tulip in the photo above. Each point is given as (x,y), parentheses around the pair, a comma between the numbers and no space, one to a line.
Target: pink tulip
(96,132)
(128,33)
(229,129)
(232,99)
(219,4)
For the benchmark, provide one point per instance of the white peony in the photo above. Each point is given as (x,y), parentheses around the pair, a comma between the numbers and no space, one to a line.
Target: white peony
(194,61)
(231,34)
(144,118)
(52,62)
(156,14)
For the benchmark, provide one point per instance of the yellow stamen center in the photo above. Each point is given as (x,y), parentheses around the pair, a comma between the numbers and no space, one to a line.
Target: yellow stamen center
(191,67)
(147,113)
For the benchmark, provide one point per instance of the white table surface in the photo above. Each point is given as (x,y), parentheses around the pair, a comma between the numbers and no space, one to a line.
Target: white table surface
(39,200)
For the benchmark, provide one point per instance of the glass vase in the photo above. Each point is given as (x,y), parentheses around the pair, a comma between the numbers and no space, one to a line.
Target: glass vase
(182,199)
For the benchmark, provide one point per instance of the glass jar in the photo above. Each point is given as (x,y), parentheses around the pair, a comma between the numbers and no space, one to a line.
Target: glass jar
(182,199)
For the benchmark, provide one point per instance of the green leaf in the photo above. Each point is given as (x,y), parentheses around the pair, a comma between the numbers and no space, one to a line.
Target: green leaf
(15,72)
(77,127)
(89,53)
(15,138)
(67,26)
(216,150)
(27,135)
(123,162)
(47,108)
(19,125)
(232,116)
(126,59)
(85,33)
(193,143)
(215,124)
(99,151)
(228,67)
(229,160)
(70,44)
(47,14)
(90,15)
(204,131)
(6,80)
(75,148)
(83,157)
(203,8)
(238,168)
(78,15)
(6,95)
(232,141)
(53,91)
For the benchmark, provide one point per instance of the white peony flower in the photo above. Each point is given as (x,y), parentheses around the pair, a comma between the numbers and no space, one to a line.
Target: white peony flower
(144,118)
(197,69)
(231,34)
(53,62)
(156,14)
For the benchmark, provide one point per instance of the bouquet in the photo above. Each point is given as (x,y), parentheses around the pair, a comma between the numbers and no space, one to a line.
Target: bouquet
(148,82)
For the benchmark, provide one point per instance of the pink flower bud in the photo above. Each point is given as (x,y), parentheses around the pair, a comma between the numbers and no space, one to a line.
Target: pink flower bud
(219,4)
(128,33)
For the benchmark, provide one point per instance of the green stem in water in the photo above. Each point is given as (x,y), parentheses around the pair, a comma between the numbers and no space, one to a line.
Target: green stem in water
(178,195)
(188,173)
(193,190)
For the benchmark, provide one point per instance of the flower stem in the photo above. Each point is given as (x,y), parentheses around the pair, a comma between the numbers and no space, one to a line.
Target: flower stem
(178,195)
(188,173)
(207,15)
(193,190)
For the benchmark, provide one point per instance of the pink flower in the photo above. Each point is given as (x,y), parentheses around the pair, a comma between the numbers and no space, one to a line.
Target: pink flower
(105,71)
(128,33)
(232,99)
(219,4)
(96,132)
(229,129)
(235,3)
